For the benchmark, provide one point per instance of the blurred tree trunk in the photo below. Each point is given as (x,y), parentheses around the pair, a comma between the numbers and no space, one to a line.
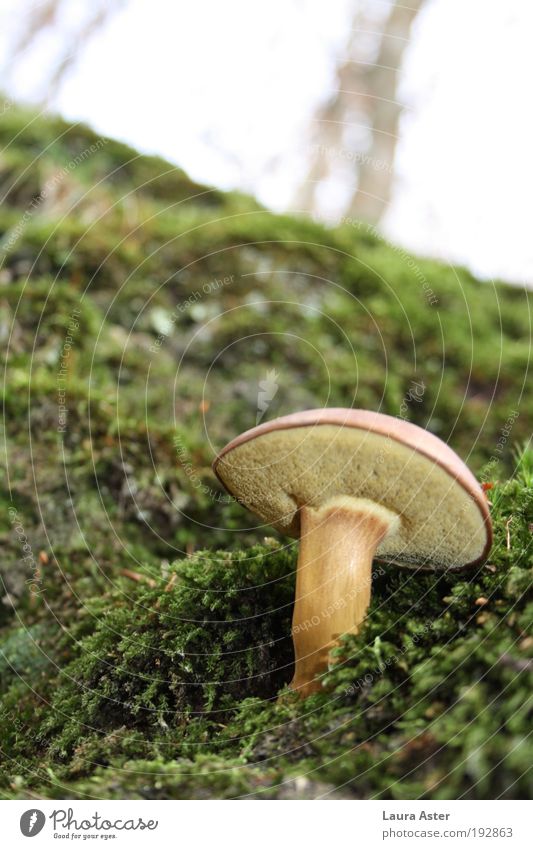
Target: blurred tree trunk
(48,18)
(357,129)
(375,182)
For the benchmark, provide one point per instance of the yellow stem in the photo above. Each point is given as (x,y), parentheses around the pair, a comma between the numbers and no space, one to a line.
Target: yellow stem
(333,581)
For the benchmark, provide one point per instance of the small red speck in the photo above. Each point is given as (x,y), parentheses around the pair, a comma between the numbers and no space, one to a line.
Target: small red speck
(486,486)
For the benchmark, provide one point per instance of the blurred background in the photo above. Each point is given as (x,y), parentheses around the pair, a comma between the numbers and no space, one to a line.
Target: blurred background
(414,116)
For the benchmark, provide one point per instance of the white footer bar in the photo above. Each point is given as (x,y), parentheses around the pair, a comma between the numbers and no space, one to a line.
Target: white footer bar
(264,825)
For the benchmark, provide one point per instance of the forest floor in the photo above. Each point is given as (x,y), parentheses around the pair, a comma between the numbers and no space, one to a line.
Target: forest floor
(145,618)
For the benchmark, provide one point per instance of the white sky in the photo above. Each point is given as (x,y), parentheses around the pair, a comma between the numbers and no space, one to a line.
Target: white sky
(228,91)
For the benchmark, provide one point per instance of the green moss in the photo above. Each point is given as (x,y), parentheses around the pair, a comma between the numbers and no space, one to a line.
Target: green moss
(202,638)
(146,640)
(170,690)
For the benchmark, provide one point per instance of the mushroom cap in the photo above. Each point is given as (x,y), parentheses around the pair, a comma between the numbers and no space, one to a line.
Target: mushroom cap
(307,458)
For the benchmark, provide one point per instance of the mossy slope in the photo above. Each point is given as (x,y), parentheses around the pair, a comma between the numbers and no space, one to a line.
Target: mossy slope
(137,663)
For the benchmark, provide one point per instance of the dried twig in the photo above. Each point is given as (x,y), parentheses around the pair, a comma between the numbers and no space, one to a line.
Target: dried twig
(508,532)
(136,576)
(171,582)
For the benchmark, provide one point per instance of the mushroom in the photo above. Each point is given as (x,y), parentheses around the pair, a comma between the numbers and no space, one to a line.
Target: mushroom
(354,484)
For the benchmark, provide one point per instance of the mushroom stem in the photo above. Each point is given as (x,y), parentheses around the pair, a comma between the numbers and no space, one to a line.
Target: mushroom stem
(333,581)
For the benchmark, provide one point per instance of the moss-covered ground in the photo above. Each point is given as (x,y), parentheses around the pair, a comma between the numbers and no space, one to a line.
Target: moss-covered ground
(145,619)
